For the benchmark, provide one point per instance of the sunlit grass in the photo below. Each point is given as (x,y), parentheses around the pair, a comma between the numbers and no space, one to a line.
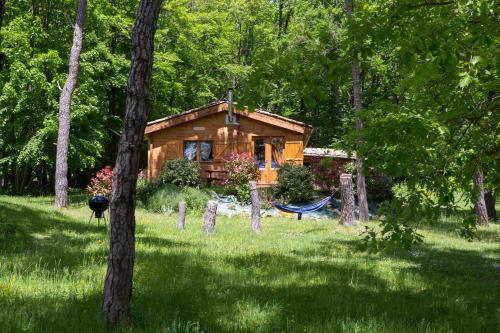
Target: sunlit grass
(296,276)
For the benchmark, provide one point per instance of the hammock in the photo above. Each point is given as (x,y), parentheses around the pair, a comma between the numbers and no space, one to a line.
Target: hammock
(303,209)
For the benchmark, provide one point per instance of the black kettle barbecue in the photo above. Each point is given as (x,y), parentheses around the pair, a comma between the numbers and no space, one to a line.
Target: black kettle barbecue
(98,204)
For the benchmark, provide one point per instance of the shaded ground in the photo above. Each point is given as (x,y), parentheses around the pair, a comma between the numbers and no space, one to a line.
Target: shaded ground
(297,276)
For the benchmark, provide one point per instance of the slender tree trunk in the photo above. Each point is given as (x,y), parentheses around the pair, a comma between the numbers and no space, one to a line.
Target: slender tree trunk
(61,175)
(481,211)
(182,215)
(2,12)
(118,284)
(254,194)
(347,217)
(356,88)
(209,218)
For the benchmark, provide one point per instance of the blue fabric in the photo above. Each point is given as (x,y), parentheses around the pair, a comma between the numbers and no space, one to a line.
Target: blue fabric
(303,209)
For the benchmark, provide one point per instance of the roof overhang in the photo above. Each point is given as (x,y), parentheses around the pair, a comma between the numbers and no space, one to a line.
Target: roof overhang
(222,106)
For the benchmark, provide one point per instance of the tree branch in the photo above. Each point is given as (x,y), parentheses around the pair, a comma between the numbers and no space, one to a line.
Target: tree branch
(432,4)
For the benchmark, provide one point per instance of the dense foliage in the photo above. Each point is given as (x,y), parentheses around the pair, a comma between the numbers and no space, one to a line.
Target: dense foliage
(428,70)
(295,183)
(241,169)
(165,199)
(181,173)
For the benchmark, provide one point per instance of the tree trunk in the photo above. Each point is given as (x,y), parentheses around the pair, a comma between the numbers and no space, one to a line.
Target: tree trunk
(347,217)
(254,194)
(61,175)
(356,89)
(2,12)
(489,199)
(182,215)
(481,211)
(209,218)
(118,284)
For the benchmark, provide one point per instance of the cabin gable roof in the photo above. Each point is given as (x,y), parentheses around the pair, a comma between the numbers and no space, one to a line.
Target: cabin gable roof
(222,106)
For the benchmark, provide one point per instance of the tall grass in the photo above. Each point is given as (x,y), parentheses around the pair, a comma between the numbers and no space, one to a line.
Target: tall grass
(296,276)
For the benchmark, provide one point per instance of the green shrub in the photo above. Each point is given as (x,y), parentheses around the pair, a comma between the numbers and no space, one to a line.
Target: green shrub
(324,177)
(378,186)
(181,173)
(295,183)
(145,189)
(241,169)
(165,199)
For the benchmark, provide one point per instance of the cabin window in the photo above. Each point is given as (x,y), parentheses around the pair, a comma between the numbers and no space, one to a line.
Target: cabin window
(260,153)
(190,150)
(198,151)
(276,152)
(206,151)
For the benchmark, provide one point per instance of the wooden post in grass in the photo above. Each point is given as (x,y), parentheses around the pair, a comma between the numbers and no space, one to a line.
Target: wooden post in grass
(182,215)
(210,217)
(347,217)
(254,194)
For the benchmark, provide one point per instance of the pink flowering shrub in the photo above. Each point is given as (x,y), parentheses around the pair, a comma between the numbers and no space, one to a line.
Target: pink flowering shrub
(102,182)
(241,169)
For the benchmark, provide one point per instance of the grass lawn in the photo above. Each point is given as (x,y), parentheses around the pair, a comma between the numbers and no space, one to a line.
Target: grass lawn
(297,276)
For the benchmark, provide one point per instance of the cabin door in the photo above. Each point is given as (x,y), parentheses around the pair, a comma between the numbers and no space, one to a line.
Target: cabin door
(268,153)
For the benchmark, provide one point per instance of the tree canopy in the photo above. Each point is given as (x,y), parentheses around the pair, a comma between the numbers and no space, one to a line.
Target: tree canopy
(428,70)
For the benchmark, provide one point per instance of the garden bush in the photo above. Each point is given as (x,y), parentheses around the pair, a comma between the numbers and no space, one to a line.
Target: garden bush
(102,182)
(181,173)
(241,169)
(295,183)
(165,199)
(145,189)
(378,186)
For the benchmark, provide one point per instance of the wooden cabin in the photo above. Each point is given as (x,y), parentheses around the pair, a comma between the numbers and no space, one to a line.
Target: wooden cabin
(209,134)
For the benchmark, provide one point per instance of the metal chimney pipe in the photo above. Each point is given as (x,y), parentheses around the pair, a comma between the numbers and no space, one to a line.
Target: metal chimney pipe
(230,102)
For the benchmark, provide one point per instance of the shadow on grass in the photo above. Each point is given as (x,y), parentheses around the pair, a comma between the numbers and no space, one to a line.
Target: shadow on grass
(438,291)
(32,235)
(451,226)
(322,289)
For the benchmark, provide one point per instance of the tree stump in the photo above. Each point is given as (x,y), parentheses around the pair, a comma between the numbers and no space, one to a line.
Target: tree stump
(254,195)
(347,217)
(182,215)
(210,217)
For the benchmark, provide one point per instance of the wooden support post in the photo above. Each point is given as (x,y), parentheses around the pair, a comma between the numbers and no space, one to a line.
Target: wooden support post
(254,194)
(347,217)
(182,215)
(209,218)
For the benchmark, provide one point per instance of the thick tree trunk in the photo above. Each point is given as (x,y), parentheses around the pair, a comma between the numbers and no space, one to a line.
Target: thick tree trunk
(347,217)
(61,175)
(118,284)
(489,199)
(254,195)
(182,215)
(481,211)
(356,89)
(210,215)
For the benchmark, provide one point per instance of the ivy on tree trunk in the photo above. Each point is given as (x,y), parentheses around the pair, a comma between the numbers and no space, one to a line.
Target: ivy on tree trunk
(118,284)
